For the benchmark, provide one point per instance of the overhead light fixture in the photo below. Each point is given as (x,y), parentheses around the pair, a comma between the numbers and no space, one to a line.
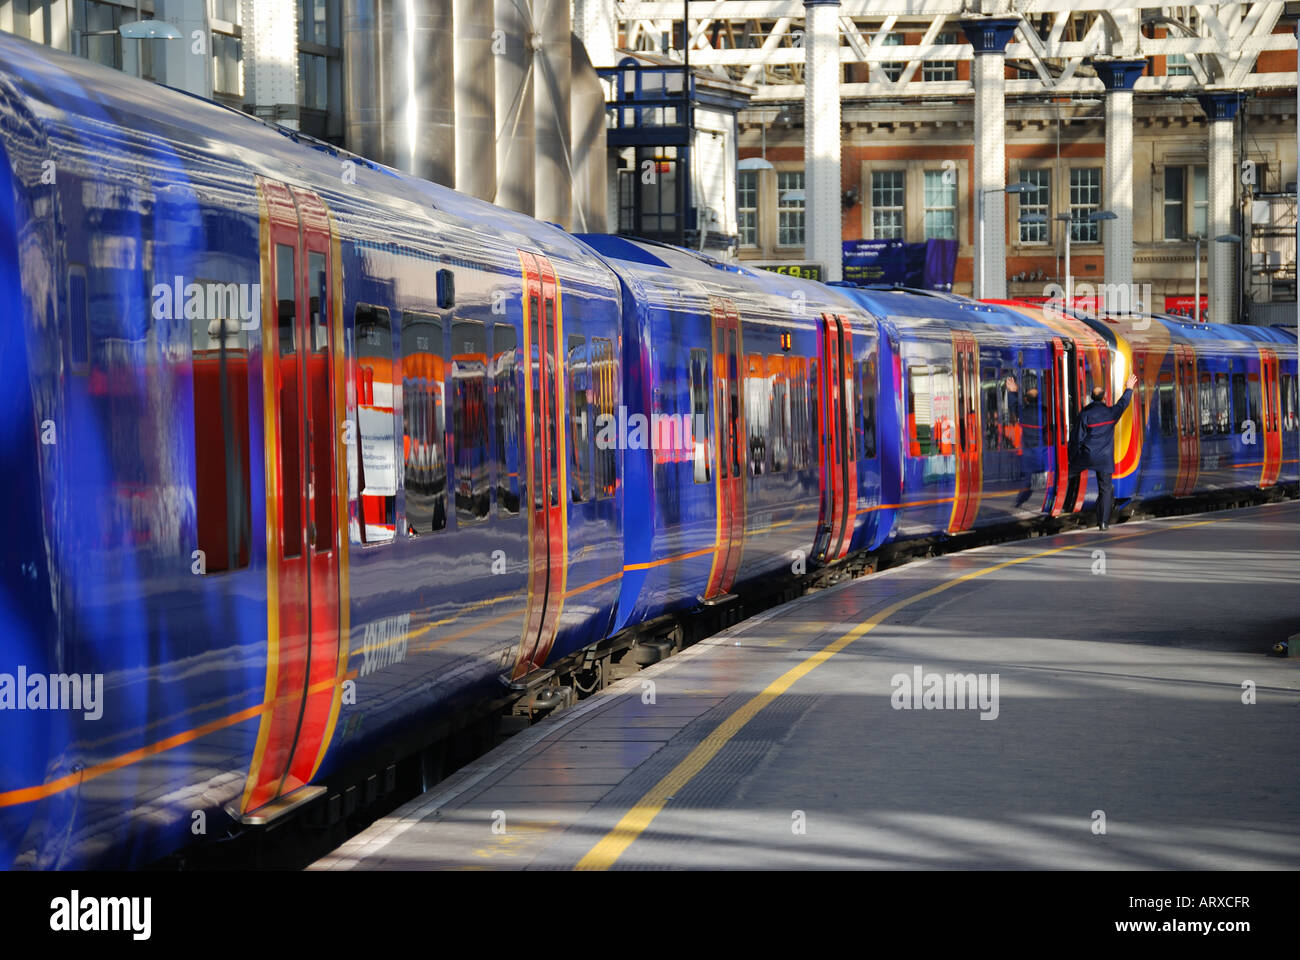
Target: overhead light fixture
(149,30)
(754,163)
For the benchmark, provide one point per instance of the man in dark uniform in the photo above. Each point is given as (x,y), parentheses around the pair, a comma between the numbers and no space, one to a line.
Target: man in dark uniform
(1093,446)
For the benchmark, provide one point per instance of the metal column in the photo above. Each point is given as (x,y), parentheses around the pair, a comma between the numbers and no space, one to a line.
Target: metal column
(988,37)
(1221,109)
(821,144)
(476,159)
(515,136)
(552,93)
(596,25)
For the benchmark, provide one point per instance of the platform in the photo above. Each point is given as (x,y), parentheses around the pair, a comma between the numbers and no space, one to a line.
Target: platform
(1121,739)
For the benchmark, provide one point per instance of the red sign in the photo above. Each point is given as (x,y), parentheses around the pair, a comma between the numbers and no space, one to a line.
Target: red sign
(1182,307)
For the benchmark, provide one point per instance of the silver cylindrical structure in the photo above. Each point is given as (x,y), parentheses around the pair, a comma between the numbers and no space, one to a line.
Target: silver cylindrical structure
(427,92)
(367,38)
(399,85)
(553,82)
(515,139)
(476,109)
(590,165)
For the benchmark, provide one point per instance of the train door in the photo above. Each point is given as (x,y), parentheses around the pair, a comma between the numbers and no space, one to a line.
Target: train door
(302,367)
(1081,395)
(547,486)
(1271,415)
(1187,392)
(836,442)
(1057,427)
(969,437)
(729,428)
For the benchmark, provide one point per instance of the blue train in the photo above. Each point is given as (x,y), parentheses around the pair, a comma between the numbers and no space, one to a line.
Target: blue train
(306,454)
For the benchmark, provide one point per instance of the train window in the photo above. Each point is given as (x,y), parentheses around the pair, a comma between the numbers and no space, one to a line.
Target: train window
(1030,414)
(848,410)
(1240,410)
(553,451)
(375,450)
(505,390)
(424,421)
(733,403)
(469,425)
(800,430)
(868,419)
(221,431)
(319,360)
(1168,409)
(758,394)
(1222,404)
(1288,385)
(286,299)
(943,403)
(700,427)
(582,485)
(606,371)
(1209,405)
(989,385)
(78,320)
(1252,399)
(918,411)
(779,414)
(814,451)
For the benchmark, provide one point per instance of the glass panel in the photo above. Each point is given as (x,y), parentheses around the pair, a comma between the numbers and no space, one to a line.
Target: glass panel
(291,489)
(322,433)
(700,426)
(469,420)
(376,425)
(425,421)
(505,386)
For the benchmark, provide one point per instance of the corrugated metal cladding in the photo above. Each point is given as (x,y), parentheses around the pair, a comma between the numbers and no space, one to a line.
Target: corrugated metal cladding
(496,98)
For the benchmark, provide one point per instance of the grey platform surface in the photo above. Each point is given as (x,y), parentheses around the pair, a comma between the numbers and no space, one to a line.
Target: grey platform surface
(1120,706)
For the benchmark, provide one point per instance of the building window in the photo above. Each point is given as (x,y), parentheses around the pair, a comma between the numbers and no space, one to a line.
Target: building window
(1176,65)
(1177,226)
(1036,201)
(313,79)
(940,205)
(1200,199)
(90,18)
(747,207)
(940,70)
(1175,203)
(1085,198)
(894,69)
(887,204)
(227,75)
(790,204)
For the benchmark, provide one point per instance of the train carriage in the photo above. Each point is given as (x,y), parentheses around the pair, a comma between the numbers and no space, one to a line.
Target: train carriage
(291,455)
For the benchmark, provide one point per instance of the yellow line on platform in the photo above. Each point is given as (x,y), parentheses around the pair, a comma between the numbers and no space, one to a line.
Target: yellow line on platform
(606,852)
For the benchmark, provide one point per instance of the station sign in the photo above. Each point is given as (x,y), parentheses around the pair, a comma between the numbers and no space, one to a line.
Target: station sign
(1182,307)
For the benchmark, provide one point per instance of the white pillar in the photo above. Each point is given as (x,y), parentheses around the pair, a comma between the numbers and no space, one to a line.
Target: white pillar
(821,137)
(1223,294)
(988,36)
(187,63)
(1221,109)
(1119,76)
(270,49)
